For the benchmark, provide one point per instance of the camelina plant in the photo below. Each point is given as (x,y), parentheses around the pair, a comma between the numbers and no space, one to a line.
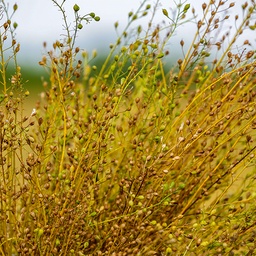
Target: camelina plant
(129,157)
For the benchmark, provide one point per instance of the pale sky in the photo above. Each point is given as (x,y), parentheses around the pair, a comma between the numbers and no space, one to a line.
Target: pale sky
(40,20)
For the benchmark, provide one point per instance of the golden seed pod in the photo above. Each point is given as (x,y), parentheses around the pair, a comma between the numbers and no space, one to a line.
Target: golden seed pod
(6,25)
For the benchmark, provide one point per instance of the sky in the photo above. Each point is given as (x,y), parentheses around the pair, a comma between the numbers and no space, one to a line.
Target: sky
(40,20)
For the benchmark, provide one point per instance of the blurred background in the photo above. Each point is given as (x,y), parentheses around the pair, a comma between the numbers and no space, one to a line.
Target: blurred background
(40,21)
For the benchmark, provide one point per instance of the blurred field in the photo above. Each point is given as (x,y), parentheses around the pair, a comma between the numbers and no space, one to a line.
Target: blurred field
(32,79)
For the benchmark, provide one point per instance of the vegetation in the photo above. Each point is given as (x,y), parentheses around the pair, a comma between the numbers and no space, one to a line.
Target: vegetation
(125,158)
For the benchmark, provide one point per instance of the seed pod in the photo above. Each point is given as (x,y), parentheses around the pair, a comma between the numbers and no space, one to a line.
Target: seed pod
(15,7)
(76,8)
(165,12)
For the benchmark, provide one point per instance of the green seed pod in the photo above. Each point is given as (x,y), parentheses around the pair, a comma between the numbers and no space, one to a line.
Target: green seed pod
(182,185)
(40,232)
(134,17)
(67,181)
(157,139)
(186,8)
(57,242)
(205,243)
(154,46)
(160,55)
(84,54)
(131,203)
(153,222)
(165,12)
(15,7)
(123,49)
(15,25)
(94,54)
(79,26)
(168,251)
(76,8)
(162,128)
(97,18)
(130,14)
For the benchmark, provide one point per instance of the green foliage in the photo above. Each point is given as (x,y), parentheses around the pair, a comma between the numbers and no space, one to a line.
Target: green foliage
(125,158)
